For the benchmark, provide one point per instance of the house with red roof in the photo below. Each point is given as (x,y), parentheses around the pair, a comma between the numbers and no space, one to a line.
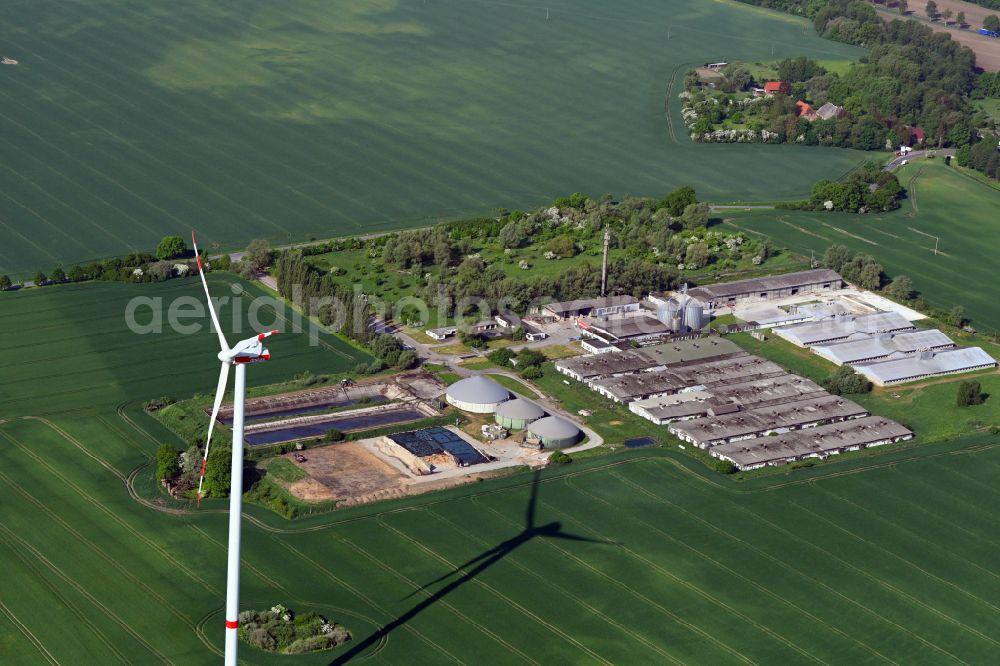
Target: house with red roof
(777,88)
(805,110)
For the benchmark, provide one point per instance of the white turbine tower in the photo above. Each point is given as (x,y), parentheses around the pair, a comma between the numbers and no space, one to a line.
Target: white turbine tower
(245,352)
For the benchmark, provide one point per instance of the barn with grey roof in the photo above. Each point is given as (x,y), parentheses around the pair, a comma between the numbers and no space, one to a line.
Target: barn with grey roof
(844,328)
(715,430)
(768,288)
(886,346)
(818,442)
(927,364)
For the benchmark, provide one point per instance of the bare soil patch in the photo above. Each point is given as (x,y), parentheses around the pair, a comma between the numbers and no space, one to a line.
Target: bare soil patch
(987,49)
(345,471)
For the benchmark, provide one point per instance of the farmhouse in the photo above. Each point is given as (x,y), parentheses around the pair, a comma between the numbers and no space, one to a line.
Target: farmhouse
(532,334)
(845,327)
(886,346)
(805,110)
(828,111)
(777,88)
(818,442)
(596,307)
(768,288)
(611,364)
(927,364)
(746,424)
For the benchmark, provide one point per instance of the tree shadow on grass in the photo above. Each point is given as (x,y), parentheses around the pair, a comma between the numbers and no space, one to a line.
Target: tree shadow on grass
(469,570)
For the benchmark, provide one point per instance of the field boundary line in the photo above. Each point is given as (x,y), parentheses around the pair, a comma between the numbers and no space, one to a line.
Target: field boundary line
(464,617)
(368,600)
(99,551)
(725,567)
(937,518)
(138,150)
(788,567)
(73,607)
(243,563)
(138,534)
(511,559)
(23,628)
(707,596)
(635,593)
(907,562)
(842,561)
(82,590)
(510,602)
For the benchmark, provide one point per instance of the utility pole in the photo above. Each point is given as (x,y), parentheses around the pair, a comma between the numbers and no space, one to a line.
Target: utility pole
(604,263)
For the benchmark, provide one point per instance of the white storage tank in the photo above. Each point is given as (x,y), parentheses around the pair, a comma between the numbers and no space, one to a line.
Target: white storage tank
(477,394)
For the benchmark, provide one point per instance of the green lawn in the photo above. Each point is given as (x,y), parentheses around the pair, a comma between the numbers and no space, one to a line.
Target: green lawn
(127,121)
(942,202)
(284,470)
(515,385)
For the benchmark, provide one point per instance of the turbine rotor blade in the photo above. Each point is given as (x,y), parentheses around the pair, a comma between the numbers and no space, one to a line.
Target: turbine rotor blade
(208,296)
(220,391)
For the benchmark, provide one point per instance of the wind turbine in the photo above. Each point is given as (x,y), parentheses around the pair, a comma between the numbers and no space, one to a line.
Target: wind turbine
(241,355)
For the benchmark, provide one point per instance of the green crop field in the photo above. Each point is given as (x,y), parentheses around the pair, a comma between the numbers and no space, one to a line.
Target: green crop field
(887,558)
(958,209)
(125,120)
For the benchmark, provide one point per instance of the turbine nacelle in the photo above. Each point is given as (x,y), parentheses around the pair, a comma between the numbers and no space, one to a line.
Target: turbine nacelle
(251,350)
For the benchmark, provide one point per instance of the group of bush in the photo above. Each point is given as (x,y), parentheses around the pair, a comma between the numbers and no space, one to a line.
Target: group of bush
(280,630)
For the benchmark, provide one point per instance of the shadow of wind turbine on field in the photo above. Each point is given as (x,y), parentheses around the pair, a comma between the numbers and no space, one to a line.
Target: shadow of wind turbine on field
(464,573)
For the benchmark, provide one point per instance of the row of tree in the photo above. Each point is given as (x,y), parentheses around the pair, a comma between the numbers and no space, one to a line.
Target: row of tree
(863,270)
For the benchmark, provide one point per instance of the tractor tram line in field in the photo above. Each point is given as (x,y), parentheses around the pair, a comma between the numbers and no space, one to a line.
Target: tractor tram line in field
(644,599)
(791,569)
(901,559)
(632,517)
(707,596)
(894,590)
(528,571)
(111,514)
(466,577)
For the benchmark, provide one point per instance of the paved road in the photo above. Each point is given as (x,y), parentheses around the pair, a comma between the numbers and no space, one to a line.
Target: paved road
(918,154)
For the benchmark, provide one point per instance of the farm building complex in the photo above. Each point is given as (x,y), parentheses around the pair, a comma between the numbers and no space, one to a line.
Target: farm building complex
(710,393)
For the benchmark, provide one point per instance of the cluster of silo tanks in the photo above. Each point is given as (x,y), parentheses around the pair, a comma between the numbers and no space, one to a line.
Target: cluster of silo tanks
(682,313)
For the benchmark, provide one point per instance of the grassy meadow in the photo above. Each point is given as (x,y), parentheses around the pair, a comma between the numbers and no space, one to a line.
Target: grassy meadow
(126,121)
(957,208)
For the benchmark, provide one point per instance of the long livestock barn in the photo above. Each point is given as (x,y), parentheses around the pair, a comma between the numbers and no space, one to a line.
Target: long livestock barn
(610,364)
(887,346)
(818,442)
(714,430)
(768,288)
(927,364)
(844,327)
